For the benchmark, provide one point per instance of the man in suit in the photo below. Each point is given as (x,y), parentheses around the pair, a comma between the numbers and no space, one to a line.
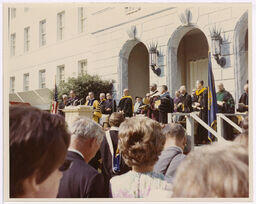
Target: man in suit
(109,150)
(81,180)
(73,99)
(172,155)
(125,105)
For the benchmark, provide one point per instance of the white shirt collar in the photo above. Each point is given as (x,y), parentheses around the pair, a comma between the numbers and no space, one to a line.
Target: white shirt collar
(114,128)
(76,151)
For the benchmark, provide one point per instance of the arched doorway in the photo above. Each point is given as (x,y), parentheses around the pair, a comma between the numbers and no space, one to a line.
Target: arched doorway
(138,71)
(187,58)
(241,54)
(193,59)
(134,69)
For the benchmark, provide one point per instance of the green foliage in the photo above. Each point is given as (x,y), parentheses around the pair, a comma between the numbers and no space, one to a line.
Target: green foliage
(83,84)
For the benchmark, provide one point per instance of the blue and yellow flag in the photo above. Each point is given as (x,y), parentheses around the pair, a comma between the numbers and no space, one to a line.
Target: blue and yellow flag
(212,100)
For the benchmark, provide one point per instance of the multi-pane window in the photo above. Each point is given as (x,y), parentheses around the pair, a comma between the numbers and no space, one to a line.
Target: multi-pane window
(60,73)
(13,13)
(60,25)
(42,32)
(81,19)
(82,67)
(13,44)
(42,79)
(26,39)
(12,84)
(26,82)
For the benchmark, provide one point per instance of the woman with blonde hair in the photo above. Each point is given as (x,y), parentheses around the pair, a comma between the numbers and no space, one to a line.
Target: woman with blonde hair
(140,141)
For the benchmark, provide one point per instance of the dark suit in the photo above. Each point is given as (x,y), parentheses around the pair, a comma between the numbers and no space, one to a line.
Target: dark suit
(107,158)
(81,180)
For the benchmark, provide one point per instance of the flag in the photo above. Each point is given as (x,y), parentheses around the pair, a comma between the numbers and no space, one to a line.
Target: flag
(212,100)
(54,106)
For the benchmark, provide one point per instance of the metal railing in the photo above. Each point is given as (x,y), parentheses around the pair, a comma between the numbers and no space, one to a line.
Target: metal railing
(192,117)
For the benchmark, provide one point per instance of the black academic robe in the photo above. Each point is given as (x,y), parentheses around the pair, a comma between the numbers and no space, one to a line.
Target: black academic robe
(202,133)
(243,99)
(109,103)
(126,105)
(186,101)
(152,112)
(166,106)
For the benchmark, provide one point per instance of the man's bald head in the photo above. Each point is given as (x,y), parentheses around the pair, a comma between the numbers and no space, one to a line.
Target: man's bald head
(220,86)
(126,92)
(183,89)
(153,87)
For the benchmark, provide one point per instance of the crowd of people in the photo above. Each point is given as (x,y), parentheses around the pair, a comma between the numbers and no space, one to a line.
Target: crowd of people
(157,104)
(138,157)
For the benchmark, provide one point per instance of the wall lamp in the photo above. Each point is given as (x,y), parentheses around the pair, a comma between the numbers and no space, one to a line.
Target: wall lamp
(153,58)
(216,46)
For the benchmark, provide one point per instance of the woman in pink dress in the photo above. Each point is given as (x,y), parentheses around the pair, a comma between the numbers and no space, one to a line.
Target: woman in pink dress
(140,141)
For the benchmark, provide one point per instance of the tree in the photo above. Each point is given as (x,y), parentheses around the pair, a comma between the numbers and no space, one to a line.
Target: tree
(83,84)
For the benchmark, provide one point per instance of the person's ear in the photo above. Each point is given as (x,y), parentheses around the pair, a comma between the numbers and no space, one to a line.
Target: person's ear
(30,186)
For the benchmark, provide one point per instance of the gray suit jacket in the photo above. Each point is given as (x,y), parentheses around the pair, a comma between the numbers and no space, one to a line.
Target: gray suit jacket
(168,162)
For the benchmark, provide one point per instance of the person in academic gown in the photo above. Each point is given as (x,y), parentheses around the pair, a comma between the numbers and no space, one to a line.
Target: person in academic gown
(202,105)
(225,104)
(125,104)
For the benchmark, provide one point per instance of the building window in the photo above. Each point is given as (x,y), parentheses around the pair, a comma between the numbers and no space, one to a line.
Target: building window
(26,39)
(13,44)
(26,9)
(13,13)
(42,79)
(26,82)
(82,67)
(60,73)
(81,19)
(12,84)
(60,25)
(42,32)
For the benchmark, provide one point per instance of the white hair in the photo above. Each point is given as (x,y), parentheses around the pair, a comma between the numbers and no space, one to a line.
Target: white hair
(86,128)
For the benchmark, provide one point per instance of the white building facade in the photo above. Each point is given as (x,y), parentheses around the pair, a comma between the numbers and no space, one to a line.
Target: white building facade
(113,40)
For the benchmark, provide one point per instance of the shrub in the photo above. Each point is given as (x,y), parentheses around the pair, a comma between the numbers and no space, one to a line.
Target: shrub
(83,84)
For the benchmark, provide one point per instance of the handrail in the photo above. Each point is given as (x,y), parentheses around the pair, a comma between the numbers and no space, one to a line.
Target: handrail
(230,122)
(206,126)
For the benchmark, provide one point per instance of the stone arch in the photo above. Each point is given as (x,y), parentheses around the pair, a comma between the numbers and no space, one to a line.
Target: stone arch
(240,55)
(173,73)
(123,64)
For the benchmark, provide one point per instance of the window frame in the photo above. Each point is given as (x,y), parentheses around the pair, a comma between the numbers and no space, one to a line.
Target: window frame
(13,44)
(42,33)
(26,82)
(42,83)
(26,39)
(60,25)
(12,84)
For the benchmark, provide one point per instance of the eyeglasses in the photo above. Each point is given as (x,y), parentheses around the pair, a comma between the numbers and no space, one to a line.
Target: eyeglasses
(65,166)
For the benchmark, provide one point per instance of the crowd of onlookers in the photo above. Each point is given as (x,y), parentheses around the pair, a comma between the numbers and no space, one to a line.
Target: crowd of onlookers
(135,157)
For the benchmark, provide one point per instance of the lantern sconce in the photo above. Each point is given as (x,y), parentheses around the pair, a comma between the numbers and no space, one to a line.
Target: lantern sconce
(216,46)
(153,58)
